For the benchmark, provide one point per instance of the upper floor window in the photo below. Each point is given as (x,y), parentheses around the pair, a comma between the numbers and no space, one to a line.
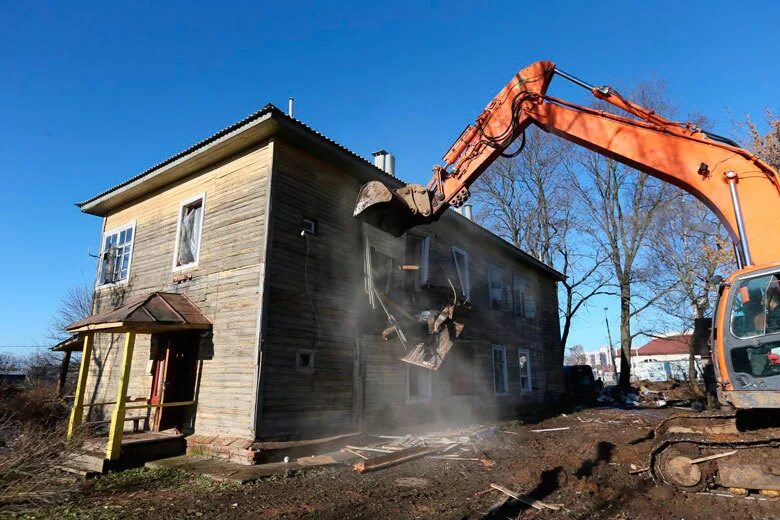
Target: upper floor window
(501,295)
(188,232)
(461,258)
(115,255)
(525,302)
(417,252)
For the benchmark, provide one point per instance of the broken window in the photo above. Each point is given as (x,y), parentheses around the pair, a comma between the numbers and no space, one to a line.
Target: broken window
(524,362)
(462,370)
(500,373)
(518,290)
(188,233)
(418,384)
(115,255)
(501,296)
(417,252)
(461,259)
(304,360)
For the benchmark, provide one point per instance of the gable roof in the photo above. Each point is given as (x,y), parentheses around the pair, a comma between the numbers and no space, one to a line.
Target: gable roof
(677,344)
(252,129)
(153,312)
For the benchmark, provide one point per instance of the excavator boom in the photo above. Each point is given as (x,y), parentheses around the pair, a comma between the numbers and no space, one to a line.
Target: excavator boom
(741,189)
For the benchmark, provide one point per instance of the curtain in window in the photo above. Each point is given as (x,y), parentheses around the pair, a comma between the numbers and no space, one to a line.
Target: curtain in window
(189,233)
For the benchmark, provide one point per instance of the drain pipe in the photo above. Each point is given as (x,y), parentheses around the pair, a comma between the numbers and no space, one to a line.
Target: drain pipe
(731,178)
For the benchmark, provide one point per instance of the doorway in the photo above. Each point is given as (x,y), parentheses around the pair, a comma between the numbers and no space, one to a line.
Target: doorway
(174,373)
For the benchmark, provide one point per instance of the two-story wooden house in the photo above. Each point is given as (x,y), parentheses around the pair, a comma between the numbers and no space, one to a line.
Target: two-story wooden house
(237,300)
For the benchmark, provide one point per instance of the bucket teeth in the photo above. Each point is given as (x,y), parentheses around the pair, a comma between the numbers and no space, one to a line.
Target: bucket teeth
(392,211)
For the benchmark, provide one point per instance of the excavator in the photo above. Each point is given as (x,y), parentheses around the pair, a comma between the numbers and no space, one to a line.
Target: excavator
(738,446)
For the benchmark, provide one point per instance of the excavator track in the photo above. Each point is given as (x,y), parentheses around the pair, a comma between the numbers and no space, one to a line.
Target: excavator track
(697,452)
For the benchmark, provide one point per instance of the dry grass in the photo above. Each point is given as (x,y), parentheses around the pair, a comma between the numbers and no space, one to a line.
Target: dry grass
(33,426)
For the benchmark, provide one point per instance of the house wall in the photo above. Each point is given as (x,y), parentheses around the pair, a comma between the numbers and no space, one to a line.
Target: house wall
(386,378)
(327,266)
(355,370)
(226,286)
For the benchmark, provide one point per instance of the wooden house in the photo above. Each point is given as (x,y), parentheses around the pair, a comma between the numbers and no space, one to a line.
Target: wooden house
(238,301)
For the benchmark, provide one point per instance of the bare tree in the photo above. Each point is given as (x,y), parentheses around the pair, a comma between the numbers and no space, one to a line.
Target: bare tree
(527,200)
(692,246)
(74,306)
(623,205)
(766,145)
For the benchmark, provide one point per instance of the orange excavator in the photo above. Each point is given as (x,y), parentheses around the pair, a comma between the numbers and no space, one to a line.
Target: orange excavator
(740,449)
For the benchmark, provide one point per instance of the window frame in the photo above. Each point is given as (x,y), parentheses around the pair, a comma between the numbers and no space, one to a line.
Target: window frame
(467,285)
(518,295)
(429,384)
(312,360)
(505,371)
(115,231)
(527,353)
(186,202)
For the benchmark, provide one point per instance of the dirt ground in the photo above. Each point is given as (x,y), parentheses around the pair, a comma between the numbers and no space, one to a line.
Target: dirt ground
(585,468)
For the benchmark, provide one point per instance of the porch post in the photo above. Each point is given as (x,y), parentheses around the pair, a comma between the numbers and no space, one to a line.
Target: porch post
(114,446)
(77,413)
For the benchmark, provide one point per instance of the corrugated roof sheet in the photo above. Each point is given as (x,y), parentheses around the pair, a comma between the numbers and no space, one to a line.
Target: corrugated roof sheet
(267,109)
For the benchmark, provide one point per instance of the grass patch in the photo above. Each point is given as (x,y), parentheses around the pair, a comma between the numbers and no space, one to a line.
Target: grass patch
(139,479)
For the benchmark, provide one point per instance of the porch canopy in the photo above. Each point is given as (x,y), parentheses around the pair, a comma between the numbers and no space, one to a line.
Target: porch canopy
(147,314)
(152,313)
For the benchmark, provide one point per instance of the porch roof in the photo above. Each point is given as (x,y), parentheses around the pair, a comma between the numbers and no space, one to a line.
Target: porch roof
(147,314)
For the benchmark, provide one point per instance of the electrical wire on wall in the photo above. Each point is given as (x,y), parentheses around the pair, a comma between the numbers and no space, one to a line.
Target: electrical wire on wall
(305,235)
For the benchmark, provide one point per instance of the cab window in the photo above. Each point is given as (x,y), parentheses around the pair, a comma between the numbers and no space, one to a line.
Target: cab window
(756,307)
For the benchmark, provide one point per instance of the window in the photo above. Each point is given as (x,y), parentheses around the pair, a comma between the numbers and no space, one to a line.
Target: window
(418,386)
(461,258)
(500,374)
(524,362)
(304,360)
(116,254)
(461,362)
(756,308)
(518,290)
(500,291)
(188,232)
(417,252)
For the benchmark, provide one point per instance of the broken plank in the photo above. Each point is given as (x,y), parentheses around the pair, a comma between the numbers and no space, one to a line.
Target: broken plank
(551,429)
(713,457)
(356,453)
(392,459)
(536,504)
(366,448)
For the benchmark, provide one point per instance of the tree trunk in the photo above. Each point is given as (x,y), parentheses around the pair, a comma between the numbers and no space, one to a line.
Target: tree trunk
(625,335)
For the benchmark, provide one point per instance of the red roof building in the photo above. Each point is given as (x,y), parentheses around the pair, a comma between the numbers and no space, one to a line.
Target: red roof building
(671,345)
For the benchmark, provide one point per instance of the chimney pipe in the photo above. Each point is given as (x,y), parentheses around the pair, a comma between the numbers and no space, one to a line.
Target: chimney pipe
(290,106)
(467,211)
(385,161)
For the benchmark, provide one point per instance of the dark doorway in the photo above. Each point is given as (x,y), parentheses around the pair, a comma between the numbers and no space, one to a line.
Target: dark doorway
(174,371)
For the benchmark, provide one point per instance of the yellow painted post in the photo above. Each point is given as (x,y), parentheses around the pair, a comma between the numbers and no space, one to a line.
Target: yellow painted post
(77,413)
(114,447)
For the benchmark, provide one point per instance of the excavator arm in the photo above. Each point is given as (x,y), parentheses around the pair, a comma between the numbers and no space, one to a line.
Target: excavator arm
(741,189)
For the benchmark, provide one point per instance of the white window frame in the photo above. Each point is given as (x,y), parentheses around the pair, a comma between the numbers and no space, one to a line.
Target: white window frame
(115,231)
(465,285)
(428,383)
(182,204)
(527,353)
(505,371)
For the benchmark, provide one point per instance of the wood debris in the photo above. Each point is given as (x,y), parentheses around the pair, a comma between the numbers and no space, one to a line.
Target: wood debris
(551,429)
(391,459)
(536,504)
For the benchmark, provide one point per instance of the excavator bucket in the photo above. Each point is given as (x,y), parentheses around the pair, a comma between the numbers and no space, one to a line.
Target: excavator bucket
(393,211)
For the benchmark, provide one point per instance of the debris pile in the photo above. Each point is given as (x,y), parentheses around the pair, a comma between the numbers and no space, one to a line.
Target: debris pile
(396,449)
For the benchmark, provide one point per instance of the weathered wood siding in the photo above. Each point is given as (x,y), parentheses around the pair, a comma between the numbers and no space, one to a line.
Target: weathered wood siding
(386,378)
(297,402)
(226,285)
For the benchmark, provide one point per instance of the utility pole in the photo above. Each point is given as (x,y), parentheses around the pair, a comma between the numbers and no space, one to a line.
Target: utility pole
(611,353)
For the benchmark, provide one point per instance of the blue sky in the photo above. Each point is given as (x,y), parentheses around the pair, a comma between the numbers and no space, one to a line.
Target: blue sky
(93,93)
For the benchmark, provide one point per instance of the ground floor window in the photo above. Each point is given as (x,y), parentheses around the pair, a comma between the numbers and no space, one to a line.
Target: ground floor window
(461,361)
(524,362)
(418,384)
(500,374)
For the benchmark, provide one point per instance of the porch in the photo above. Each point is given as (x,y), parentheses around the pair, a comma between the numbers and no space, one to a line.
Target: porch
(146,427)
